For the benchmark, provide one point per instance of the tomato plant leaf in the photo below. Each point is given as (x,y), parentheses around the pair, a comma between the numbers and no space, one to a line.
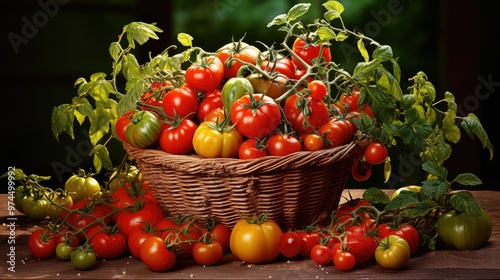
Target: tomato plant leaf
(434,188)
(140,32)
(463,202)
(390,85)
(383,53)
(376,196)
(437,153)
(387,169)
(396,70)
(334,9)
(467,179)
(115,49)
(17,174)
(129,100)
(421,209)
(325,34)
(83,109)
(473,127)
(185,39)
(130,67)
(278,20)
(450,129)
(437,170)
(297,10)
(364,70)
(403,200)
(362,50)
(101,158)
(62,120)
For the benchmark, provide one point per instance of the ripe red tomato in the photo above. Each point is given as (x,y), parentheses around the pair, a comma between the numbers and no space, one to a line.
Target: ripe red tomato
(320,254)
(308,51)
(89,211)
(106,243)
(221,233)
(305,113)
(318,89)
(309,239)
(207,252)
(137,237)
(64,235)
(282,145)
(313,142)
(155,254)
(344,261)
(290,244)
(121,125)
(181,231)
(350,103)
(217,115)
(410,234)
(282,65)
(252,148)
(138,216)
(127,195)
(211,101)
(206,74)
(237,51)
(360,244)
(345,210)
(181,101)
(256,115)
(375,153)
(178,138)
(361,170)
(335,133)
(41,244)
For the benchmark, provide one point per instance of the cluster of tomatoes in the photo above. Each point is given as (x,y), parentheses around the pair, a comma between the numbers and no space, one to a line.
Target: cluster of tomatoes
(241,102)
(109,223)
(128,218)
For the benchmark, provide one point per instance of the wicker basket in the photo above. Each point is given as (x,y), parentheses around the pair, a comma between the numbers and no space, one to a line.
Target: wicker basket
(294,189)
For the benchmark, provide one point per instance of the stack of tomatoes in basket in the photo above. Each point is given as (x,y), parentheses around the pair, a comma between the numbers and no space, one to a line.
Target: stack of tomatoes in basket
(241,102)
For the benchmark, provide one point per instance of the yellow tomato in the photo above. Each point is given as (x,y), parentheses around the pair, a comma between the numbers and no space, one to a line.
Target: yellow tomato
(412,188)
(255,240)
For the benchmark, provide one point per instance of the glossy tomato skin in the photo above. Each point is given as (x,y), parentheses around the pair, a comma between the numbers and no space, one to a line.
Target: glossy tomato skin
(88,213)
(209,142)
(344,261)
(320,254)
(350,103)
(41,244)
(299,109)
(182,102)
(308,52)
(138,216)
(393,252)
(205,75)
(318,89)
(135,240)
(121,125)
(289,244)
(81,186)
(251,149)
(83,259)
(212,100)
(282,145)
(375,153)
(360,244)
(221,233)
(361,171)
(107,245)
(313,142)
(144,129)
(463,231)
(282,65)
(309,239)
(155,254)
(255,243)
(209,253)
(273,88)
(64,251)
(346,210)
(36,207)
(234,89)
(255,116)
(178,139)
(238,50)
(410,234)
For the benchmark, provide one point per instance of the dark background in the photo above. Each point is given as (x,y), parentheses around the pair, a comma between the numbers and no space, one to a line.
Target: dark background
(453,42)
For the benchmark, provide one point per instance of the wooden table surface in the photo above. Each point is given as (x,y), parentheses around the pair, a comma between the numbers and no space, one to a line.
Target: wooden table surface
(479,264)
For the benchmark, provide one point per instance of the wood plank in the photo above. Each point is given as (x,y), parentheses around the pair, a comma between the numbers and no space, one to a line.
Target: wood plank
(478,264)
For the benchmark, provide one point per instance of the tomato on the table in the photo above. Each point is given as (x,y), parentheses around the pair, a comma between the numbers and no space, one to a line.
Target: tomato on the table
(41,244)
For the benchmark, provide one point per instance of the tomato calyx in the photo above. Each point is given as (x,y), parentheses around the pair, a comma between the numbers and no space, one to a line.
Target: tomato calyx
(256,219)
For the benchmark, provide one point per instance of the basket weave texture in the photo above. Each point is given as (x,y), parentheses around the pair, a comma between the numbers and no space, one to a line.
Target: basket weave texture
(294,190)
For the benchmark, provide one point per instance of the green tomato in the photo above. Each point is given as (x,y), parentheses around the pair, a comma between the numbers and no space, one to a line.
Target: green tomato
(464,231)
(120,178)
(233,89)
(59,200)
(83,259)
(20,194)
(36,207)
(393,252)
(81,186)
(143,130)
(64,251)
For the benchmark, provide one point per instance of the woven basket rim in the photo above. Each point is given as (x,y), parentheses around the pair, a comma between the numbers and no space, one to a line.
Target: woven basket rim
(194,164)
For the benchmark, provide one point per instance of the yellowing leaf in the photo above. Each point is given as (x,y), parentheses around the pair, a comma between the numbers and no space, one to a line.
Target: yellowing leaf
(362,50)
(387,169)
(185,39)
